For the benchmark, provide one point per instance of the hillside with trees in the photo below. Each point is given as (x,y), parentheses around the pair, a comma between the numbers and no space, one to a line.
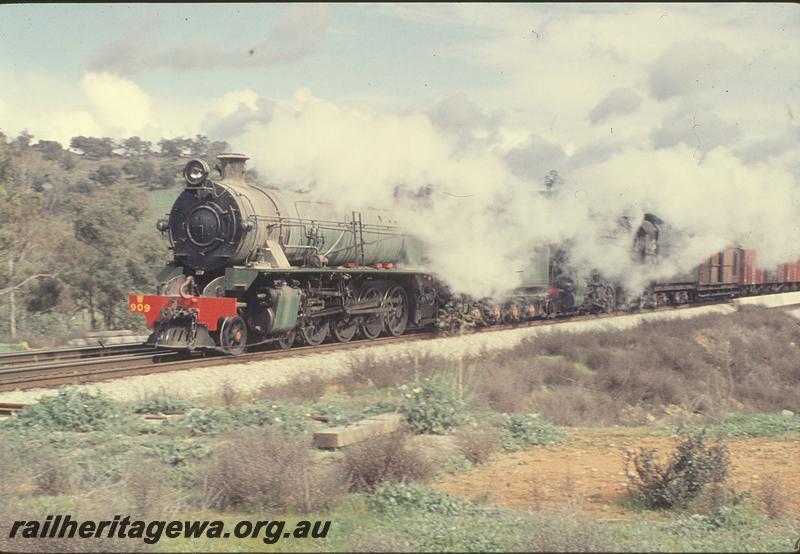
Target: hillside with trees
(77,229)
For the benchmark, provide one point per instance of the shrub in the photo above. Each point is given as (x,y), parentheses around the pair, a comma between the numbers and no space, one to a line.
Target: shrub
(574,405)
(477,443)
(775,498)
(162,404)
(432,406)
(671,485)
(144,483)
(394,498)
(301,389)
(521,431)
(369,370)
(70,410)
(384,459)
(51,475)
(266,469)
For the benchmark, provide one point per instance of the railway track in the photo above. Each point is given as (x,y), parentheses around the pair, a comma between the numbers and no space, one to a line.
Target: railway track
(28,357)
(91,365)
(160,361)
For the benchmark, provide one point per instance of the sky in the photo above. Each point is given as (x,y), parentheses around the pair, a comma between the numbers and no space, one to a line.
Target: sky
(638,106)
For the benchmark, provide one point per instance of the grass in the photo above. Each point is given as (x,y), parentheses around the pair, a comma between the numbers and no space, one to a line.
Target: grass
(757,425)
(231,459)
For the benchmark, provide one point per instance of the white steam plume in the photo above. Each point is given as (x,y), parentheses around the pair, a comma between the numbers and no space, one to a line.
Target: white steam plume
(479,220)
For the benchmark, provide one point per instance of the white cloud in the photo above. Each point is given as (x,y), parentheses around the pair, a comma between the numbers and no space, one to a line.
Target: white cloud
(118,104)
(62,126)
(618,101)
(690,66)
(233,100)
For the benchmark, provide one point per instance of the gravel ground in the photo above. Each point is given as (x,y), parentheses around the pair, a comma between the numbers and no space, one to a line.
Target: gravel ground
(248,377)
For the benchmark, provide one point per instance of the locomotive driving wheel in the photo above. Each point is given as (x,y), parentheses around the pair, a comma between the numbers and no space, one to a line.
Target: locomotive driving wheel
(314,331)
(287,340)
(397,315)
(371,324)
(233,335)
(344,328)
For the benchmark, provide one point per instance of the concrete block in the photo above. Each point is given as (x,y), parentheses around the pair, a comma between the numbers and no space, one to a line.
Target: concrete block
(337,437)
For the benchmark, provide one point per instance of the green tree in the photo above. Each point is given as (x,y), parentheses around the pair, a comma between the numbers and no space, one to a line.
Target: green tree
(166,176)
(216,148)
(24,139)
(141,170)
(107,257)
(135,146)
(175,147)
(93,147)
(199,146)
(106,175)
(23,253)
(50,149)
(67,161)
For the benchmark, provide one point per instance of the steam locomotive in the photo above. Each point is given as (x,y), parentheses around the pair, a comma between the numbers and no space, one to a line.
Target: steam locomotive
(255,266)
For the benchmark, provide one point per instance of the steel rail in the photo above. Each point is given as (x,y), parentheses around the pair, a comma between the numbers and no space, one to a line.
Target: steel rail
(40,355)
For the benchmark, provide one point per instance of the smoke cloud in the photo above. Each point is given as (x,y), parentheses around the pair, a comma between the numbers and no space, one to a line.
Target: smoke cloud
(479,219)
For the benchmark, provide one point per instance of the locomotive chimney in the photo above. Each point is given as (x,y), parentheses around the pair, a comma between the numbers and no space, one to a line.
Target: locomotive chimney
(231,166)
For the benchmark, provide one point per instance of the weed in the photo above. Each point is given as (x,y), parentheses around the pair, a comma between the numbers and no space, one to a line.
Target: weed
(70,410)
(432,405)
(563,533)
(399,497)
(204,421)
(162,404)
(520,431)
(757,425)
(228,394)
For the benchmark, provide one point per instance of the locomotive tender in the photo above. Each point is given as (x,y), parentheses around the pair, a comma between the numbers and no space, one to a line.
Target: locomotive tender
(254,266)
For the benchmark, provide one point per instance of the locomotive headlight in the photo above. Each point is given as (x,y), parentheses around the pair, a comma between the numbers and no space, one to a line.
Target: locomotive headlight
(195,172)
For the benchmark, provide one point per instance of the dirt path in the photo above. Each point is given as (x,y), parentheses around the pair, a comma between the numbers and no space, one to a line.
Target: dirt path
(588,471)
